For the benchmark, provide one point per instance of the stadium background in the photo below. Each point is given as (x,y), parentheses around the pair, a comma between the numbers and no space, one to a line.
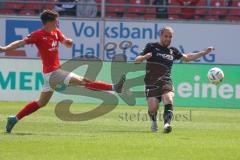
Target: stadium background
(199,132)
(20,70)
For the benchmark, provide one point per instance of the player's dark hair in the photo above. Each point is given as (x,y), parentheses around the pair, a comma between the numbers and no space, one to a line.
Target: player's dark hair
(48,16)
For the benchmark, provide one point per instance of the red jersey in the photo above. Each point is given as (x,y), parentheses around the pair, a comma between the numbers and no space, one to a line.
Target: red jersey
(47,44)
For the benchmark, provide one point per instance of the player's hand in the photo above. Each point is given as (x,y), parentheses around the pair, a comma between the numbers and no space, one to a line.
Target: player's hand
(209,49)
(69,43)
(2,49)
(148,55)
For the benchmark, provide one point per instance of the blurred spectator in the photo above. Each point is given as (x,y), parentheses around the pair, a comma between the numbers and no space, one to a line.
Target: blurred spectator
(188,13)
(162,10)
(86,8)
(66,7)
(1,4)
(209,3)
(1,1)
(228,3)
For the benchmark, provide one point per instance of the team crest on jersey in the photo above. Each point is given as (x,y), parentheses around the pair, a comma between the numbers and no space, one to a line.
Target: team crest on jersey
(54,46)
(54,43)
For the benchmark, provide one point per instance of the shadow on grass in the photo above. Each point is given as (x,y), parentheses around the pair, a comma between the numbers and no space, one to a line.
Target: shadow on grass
(125,131)
(18,134)
(27,134)
(23,134)
(71,134)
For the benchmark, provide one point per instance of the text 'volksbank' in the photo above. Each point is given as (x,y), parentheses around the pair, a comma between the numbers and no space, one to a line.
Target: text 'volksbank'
(116,30)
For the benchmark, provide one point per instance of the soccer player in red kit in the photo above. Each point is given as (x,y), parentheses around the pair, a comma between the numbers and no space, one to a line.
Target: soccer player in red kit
(46,40)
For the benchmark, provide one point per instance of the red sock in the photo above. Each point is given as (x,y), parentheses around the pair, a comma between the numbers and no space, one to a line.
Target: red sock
(28,109)
(95,85)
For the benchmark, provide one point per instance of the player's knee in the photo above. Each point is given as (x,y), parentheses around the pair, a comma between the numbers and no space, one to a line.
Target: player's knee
(42,103)
(153,104)
(78,80)
(153,109)
(167,98)
(168,102)
(74,81)
(85,80)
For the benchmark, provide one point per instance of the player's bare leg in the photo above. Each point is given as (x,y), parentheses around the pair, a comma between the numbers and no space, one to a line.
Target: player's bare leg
(96,85)
(153,105)
(168,111)
(28,109)
(44,98)
(60,77)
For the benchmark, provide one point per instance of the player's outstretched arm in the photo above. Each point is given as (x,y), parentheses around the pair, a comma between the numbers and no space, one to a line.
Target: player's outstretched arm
(193,56)
(12,46)
(141,58)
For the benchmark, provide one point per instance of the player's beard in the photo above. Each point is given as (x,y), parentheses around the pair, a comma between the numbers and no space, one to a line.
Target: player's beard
(166,43)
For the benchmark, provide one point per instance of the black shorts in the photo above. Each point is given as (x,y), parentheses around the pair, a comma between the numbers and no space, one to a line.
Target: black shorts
(158,89)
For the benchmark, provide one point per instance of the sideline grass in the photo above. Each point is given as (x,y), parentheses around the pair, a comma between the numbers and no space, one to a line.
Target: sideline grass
(121,134)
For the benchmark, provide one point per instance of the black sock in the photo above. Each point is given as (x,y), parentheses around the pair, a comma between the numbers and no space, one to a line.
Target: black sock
(168,113)
(152,115)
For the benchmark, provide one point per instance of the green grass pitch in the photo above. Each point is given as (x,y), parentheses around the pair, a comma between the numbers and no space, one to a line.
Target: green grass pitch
(124,133)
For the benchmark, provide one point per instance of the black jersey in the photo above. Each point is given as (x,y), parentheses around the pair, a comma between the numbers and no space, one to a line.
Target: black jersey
(159,66)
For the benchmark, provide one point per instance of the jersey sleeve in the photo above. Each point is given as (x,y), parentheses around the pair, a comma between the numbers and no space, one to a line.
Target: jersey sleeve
(32,38)
(61,37)
(146,50)
(177,54)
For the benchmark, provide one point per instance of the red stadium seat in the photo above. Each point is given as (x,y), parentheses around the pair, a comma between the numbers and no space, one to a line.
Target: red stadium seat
(150,13)
(173,12)
(99,2)
(14,5)
(201,12)
(115,11)
(212,18)
(136,11)
(188,8)
(234,13)
(7,11)
(27,12)
(34,4)
(216,10)
(49,4)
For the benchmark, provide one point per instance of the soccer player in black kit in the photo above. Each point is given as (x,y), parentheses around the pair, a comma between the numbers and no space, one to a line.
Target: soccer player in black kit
(158,81)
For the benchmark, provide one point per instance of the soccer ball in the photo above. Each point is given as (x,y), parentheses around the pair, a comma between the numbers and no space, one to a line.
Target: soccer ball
(215,75)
